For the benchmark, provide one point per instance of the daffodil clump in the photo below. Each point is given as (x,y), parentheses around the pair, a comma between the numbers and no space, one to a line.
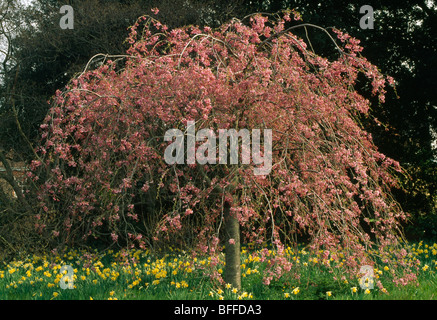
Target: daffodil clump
(230,293)
(176,274)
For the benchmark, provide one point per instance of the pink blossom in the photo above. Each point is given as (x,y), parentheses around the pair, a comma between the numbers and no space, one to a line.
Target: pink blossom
(114,237)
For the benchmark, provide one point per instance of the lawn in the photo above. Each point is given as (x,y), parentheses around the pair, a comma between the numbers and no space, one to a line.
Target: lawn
(176,275)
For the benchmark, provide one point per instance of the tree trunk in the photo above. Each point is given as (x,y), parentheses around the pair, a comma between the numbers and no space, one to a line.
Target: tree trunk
(9,178)
(232,250)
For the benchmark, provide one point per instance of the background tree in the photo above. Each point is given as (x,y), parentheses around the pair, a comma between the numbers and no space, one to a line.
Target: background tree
(14,223)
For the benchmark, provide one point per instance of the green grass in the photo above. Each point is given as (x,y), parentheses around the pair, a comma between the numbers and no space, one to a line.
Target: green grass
(177,276)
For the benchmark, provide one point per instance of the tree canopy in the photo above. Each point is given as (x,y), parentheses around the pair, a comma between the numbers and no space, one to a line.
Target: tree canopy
(102,173)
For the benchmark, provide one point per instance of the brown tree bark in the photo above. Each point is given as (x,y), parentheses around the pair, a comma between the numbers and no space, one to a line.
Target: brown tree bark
(232,273)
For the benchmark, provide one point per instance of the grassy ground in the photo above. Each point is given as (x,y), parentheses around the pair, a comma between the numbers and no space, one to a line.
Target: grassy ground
(176,275)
